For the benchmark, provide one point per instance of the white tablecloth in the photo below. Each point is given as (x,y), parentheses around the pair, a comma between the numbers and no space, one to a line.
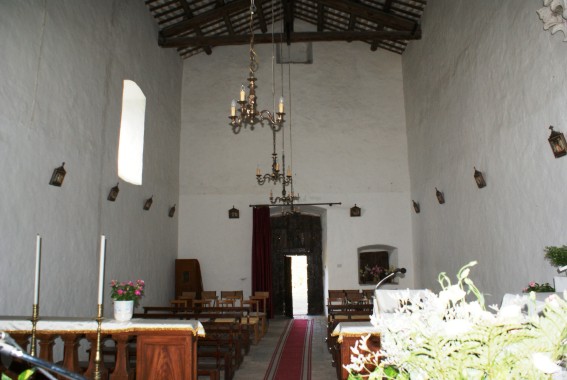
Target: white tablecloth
(357,329)
(59,325)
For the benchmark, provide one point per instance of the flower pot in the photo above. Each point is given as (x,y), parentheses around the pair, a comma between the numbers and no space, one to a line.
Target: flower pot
(560,283)
(123,310)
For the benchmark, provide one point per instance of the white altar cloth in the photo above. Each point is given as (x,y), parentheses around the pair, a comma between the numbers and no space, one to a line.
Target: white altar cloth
(356,329)
(59,325)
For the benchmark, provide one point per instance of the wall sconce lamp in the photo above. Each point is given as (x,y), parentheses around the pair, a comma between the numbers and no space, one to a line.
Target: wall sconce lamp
(58,176)
(113,193)
(479,179)
(558,143)
(355,211)
(416,207)
(233,213)
(440,196)
(171,211)
(148,203)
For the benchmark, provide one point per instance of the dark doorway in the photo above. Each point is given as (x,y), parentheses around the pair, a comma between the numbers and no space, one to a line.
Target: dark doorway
(296,235)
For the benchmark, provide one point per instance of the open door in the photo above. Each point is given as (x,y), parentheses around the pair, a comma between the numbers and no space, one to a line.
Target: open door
(297,235)
(288,288)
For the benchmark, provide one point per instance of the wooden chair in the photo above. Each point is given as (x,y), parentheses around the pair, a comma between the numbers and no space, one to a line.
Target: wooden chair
(336,297)
(353,296)
(188,297)
(262,305)
(368,294)
(179,303)
(230,297)
(208,298)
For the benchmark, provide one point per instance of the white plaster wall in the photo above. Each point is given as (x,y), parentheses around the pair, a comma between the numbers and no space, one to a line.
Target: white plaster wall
(349,145)
(61,72)
(481,89)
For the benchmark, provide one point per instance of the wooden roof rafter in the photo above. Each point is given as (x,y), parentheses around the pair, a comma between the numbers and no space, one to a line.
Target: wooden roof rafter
(194,26)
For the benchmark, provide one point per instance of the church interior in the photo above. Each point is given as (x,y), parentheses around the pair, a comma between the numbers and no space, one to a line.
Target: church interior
(384,131)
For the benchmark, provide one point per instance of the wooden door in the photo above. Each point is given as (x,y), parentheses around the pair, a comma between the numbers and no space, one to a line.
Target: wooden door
(288,288)
(297,235)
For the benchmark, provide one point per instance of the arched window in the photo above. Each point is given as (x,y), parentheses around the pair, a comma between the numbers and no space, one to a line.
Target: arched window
(131,142)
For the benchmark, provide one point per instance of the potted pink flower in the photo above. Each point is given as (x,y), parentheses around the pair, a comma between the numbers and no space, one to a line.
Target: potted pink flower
(126,296)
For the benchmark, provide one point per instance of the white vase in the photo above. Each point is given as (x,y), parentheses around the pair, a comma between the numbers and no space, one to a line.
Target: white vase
(560,283)
(123,310)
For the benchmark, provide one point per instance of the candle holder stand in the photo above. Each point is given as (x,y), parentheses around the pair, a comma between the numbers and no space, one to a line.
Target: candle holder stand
(34,319)
(98,354)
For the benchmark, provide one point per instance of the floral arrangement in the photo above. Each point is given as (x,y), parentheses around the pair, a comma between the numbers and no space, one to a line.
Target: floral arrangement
(373,274)
(538,288)
(445,337)
(127,291)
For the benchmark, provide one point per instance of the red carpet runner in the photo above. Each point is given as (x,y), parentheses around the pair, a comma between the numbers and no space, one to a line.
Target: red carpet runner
(292,357)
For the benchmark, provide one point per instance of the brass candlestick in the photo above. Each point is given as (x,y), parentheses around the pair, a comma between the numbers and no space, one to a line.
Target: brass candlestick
(34,318)
(98,356)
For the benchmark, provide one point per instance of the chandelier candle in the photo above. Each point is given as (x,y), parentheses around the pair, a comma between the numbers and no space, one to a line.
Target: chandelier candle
(101,269)
(37,269)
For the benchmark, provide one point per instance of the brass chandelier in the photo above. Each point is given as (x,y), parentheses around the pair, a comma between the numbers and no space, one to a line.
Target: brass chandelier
(247,105)
(276,175)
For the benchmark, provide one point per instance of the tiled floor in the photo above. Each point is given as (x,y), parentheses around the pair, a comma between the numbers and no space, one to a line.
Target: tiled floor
(256,362)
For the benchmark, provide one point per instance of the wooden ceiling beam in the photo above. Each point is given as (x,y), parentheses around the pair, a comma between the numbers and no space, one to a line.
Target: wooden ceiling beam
(287,6)
(189,15)
(162,5)
(205,17)
(181,42)
(320,17)
(220,3)
(261,16)
(352,19)
(370,13)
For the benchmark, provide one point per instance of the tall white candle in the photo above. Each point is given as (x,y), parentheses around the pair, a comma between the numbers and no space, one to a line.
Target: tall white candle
(37,269)
(101,269)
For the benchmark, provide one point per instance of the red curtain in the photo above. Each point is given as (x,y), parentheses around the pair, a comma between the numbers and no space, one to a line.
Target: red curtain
(261,254)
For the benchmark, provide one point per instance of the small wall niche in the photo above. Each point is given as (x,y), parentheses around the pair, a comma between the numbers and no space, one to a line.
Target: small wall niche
(374,263)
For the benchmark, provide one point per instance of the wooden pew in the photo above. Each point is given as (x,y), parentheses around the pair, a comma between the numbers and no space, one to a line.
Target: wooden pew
(344,313)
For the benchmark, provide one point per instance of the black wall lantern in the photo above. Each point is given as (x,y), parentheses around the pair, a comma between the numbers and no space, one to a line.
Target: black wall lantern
(355,211)
(558,143)
(171,211)
(479,179)
(440,196)
(148,203)
(416,207)
(58,176)
(113,193)
(233,213)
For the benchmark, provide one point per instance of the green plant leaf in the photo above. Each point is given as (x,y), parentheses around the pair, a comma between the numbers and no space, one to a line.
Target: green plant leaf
(26,374)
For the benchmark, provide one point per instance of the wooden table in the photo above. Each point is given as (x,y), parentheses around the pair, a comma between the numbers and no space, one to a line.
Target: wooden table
(346,334)
(164,348)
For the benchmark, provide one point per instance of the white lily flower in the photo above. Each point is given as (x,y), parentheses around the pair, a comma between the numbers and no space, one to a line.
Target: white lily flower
(544,363)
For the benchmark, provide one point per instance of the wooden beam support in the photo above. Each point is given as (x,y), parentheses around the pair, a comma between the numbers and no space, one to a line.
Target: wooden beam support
(189,15)
(320,17)
(182,42)
(370,13)
(220,3)
(205,17)
(288,19)
(261,17)
(352,19)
